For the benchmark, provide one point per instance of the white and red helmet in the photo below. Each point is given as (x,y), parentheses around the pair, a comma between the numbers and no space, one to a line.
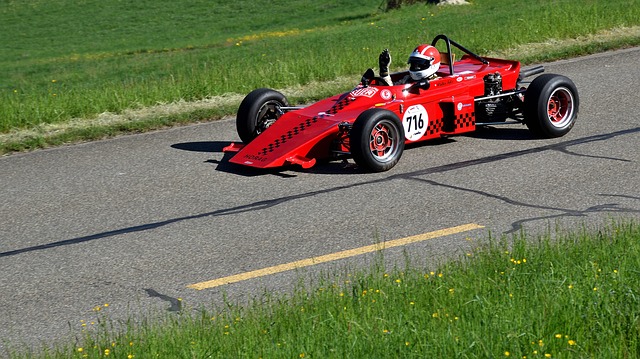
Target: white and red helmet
(423,62)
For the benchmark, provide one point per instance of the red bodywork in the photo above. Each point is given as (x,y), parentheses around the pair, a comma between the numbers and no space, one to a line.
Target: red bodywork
(320,130)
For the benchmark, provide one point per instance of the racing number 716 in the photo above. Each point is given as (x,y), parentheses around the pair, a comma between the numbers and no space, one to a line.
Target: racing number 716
(416,122)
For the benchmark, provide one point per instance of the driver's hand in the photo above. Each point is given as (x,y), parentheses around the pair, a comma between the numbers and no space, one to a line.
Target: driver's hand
(384,60)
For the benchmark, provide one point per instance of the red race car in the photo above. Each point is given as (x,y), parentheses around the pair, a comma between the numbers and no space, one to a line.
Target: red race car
(373,122)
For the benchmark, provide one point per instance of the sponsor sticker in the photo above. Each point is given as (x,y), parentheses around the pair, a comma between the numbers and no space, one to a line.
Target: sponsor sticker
(364,92)
(386,95)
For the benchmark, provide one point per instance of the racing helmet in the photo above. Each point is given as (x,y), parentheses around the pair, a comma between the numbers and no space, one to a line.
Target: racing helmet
(423,62)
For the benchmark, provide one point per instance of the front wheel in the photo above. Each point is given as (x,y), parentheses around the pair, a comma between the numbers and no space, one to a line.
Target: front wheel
(259,110)
(377,140)
(551,105)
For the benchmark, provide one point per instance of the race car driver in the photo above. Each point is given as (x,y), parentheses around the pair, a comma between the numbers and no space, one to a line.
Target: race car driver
(423,62)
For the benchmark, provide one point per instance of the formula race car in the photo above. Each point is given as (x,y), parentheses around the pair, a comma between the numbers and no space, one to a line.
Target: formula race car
(373,122)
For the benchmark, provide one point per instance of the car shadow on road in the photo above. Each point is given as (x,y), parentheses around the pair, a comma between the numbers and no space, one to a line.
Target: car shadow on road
(202,146)
(223,164)
(502,133)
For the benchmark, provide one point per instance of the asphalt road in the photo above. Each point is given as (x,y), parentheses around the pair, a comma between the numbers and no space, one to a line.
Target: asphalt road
(133,222)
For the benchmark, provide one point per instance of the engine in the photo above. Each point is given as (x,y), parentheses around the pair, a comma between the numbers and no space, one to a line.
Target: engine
(492,110)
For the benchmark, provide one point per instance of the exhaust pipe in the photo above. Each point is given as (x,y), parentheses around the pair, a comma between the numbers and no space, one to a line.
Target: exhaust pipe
(530,72)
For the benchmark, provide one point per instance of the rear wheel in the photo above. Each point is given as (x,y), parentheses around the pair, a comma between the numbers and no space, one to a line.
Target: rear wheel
(551,105)
(377,140)
(259,110)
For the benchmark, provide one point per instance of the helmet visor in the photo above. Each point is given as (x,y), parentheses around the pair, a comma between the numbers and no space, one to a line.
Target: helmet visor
(419,64)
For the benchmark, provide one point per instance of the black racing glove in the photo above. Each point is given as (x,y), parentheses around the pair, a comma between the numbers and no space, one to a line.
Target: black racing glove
(384,60)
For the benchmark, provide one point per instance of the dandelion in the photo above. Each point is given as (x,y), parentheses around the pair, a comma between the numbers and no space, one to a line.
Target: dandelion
(130,356)
(570,286)
(80,350)
(439,275)
(572,342)
(507,354)
(54,81)
(406,343)
(559,336)
(301,355)
(595,289)
(435,315)
(412,303)
(451,290)
(107,352)
(398,280)
(547,355)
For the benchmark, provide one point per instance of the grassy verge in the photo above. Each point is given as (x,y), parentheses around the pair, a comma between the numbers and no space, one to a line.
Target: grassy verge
(574,296)
(87,65)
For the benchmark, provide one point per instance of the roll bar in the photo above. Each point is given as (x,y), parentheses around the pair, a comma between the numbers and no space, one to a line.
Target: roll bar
(449,42)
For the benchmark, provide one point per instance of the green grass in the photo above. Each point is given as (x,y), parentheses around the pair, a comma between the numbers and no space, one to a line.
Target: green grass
(68,59)
(566,295)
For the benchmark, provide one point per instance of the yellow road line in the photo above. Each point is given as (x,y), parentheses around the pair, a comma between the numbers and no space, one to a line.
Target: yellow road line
(333,256)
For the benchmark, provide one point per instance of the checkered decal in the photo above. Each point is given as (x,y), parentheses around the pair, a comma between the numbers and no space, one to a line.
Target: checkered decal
(464,120)
(293,132)
(340,105)
(435,126)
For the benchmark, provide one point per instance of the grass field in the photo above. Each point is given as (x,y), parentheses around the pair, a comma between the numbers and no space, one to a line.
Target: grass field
(566,295)
(68,61)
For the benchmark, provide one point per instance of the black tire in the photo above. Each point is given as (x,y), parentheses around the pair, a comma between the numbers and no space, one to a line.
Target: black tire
(377,140)
(551,105)
(258,110)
